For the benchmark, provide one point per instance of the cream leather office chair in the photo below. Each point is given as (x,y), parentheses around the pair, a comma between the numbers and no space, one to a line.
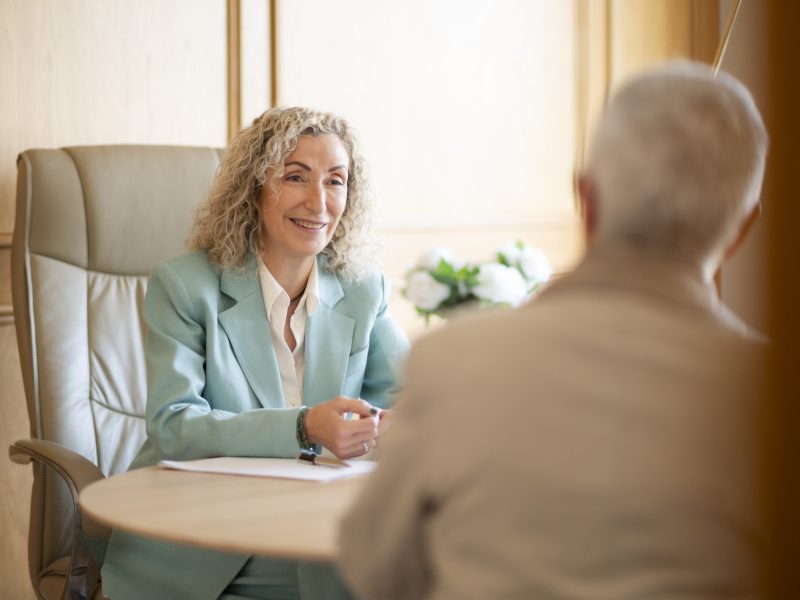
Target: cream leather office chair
(90,223)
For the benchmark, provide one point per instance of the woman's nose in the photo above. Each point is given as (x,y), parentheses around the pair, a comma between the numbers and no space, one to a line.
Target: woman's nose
(315,200)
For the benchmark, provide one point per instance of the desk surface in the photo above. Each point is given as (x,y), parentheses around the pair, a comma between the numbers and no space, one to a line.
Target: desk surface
(249,515)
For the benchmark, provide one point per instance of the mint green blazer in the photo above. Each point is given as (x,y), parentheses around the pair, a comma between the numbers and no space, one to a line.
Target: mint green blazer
(214,389)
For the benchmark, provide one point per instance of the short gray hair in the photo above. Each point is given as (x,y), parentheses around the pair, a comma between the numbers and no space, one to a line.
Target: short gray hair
(677,161)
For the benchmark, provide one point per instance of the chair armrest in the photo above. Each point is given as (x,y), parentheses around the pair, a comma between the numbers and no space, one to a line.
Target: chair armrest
(91,538)
(77,471)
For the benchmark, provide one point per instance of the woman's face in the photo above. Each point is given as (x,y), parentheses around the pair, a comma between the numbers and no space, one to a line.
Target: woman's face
(300,216)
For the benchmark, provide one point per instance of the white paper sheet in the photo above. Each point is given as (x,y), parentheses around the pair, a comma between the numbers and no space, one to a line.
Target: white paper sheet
(281,468)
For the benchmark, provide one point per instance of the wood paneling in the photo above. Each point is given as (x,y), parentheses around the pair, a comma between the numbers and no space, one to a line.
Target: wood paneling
(15,480)
(256,67)
(647,32)
(592,70)
(466,114)
(743,277)
(85,72)
(234,74)
(642,33)
(782,437)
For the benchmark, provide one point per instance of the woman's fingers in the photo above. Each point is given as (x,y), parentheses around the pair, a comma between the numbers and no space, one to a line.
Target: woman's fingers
(356,450)
(326,424)
(353,443)
(355,406)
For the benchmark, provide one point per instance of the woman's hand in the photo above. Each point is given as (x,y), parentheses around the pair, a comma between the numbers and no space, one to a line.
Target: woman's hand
(326,424)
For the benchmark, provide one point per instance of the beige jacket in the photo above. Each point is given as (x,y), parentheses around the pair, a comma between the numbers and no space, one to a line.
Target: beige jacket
(597,443)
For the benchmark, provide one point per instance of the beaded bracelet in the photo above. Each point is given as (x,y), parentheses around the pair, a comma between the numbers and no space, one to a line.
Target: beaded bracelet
(302,439)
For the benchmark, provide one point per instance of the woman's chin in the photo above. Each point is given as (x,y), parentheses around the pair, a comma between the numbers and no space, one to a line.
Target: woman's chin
(308,250)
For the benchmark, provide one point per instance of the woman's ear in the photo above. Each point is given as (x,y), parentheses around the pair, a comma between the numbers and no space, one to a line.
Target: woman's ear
(744,230)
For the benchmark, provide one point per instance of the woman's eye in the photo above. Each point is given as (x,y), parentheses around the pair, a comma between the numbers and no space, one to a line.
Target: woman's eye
(294,177)
(336,182)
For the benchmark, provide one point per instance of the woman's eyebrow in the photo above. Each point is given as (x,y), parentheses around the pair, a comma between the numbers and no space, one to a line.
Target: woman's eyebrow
(305,167)
(299,164)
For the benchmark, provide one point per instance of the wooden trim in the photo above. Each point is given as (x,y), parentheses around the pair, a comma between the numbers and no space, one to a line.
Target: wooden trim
(781,431)
(273,53)
(592,73)
(705,31)
(608,32)
(234,68)
(421,226)
(582,50)
(733,12)
(5,239)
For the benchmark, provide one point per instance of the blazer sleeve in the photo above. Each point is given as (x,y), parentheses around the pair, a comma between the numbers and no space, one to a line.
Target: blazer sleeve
(181,423)
(388,348)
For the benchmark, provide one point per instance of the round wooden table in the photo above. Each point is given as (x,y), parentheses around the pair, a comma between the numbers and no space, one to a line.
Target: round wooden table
(250,515)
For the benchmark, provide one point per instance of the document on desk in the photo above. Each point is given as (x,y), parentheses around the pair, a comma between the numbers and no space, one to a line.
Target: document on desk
(280,468)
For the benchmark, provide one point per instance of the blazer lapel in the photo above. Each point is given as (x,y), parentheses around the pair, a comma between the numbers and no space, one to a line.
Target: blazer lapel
(328,340)
(247,328)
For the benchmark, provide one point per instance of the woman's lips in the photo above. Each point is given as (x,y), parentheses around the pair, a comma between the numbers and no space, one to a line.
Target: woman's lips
(309,225)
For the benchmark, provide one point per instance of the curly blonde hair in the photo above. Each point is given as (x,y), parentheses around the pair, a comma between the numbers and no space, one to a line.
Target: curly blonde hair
(228,224)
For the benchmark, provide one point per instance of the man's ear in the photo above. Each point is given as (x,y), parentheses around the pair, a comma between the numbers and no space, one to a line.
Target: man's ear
(588,195)
(744,230)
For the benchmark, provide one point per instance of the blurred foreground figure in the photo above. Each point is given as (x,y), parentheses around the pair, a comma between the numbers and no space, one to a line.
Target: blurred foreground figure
(598,443)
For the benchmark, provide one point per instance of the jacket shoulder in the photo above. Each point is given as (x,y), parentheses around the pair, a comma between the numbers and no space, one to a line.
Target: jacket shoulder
(192,271)
(372,281)
(190,266)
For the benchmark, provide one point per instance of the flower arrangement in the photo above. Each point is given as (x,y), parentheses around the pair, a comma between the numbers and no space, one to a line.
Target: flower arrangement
(439,281)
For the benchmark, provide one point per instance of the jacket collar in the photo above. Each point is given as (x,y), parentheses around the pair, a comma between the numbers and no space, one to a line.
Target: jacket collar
(329,336)
(241,284)
(619,267)
(646,272)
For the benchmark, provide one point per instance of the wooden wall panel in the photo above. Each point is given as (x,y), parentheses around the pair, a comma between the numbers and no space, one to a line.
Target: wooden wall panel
(255,66)
(782,435)
(85,72)
(642,33)
(617,38)
(744,277)
(466,112)
(15,480)
(646,32)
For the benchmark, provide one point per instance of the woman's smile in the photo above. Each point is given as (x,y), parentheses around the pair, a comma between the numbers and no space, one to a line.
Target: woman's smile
(301,206)
(312,226)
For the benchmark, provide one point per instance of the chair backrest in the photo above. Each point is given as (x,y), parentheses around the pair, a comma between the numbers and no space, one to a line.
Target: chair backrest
(91,221)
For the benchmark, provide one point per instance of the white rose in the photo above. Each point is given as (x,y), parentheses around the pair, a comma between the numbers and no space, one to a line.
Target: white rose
(430,259)
(424,291)
(498,283)
(511,251)
(535,265)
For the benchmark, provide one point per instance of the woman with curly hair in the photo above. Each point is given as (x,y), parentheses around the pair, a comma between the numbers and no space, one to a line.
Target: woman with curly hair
(263,341)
